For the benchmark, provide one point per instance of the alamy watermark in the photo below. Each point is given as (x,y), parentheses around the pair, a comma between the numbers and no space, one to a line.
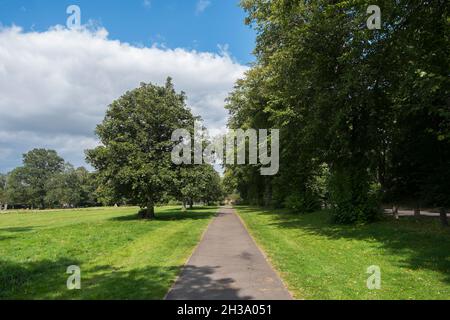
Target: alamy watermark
(374,20)
(74,280)
(374,280)
(234,147)
(74,20)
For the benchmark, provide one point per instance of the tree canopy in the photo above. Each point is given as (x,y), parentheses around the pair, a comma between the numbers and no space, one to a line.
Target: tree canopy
(364,114)
(45,180)
(135,156)
(28,184)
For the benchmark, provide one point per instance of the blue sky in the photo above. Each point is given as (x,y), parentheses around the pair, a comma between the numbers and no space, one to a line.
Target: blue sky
(56,82)
(192,24)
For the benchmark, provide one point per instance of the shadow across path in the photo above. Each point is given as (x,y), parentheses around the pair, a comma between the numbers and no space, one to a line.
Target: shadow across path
(197,283)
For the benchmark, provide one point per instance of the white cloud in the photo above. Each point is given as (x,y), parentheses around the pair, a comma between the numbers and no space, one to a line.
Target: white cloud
(202,5)
(55,86)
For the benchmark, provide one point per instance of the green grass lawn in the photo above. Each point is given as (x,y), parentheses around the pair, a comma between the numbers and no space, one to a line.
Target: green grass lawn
(120,256)
(319,260)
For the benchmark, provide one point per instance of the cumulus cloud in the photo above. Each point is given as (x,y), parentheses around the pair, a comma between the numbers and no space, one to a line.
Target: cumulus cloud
(55,86)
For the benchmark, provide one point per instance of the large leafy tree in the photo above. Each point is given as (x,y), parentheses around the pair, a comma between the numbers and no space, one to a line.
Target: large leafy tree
(213,190)
(355,101)
(28,184)
(87,184)
(198,183)
(135,156)
(63,189)
(104,193)
(70,188)
(18,189)
(418,157)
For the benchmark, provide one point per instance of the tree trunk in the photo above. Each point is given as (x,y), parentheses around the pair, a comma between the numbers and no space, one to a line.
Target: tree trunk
(149,212)
(443,215)
(395,211)
(417,211)
(191,204)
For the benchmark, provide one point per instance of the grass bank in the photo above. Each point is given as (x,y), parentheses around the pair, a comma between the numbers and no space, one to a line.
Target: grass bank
(319,260)
(120,256)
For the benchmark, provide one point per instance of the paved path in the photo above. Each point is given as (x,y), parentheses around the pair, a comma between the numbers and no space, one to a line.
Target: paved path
(227,265)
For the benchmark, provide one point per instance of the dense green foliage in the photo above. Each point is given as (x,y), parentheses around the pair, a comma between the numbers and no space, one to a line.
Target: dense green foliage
(46,181)
(321,260)
(199,183)
(73,188)
(28,184)
(364,112)
(134,160)
(120,256)
(3,197)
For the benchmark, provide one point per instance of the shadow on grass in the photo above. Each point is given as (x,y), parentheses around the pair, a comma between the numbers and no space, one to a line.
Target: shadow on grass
(6,237)
(16,229)
(421,243)
(30,280)
(47,280)
(6,233)
(172,215)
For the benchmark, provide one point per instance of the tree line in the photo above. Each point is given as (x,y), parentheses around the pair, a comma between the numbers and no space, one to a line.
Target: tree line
(364,114)
(45,180)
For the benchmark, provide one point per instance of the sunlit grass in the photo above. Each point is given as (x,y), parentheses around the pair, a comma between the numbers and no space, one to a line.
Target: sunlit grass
(319,260)
(120,256)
